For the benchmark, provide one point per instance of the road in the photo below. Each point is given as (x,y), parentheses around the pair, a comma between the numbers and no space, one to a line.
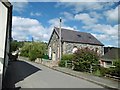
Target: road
(26,74)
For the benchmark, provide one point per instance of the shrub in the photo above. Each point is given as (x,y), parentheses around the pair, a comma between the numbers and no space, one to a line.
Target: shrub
(83,58)
(62,63)
(97,73)
(32,55)
(115,71)
(104,71)
(65,57)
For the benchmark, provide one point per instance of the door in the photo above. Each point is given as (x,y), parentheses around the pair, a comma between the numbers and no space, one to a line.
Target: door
(50,52)
(54,56)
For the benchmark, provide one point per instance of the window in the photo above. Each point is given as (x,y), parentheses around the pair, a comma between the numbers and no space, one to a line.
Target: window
(74,49)
(79,35)
(89,37)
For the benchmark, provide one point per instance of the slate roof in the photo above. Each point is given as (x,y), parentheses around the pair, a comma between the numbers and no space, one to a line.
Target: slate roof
(112,54)
(77,37)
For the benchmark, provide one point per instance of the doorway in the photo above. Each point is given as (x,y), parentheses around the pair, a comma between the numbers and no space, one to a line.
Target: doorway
(54,56)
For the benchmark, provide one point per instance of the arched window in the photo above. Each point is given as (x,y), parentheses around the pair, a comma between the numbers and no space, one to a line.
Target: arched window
(74,49)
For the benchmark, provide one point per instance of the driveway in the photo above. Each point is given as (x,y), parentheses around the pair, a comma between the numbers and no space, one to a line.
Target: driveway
(25,74)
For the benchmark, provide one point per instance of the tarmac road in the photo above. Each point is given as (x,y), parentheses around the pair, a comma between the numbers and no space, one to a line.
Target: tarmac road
(26,74)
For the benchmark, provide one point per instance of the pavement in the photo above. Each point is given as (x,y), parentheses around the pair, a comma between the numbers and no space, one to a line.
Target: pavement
(26,74)
(103,81)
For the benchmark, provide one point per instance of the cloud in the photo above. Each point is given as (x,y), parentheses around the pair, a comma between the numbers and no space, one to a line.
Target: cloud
(107,39)
(35,14)
(102,28)
(105,33)
(85,18)
(78,7)
(19,6)
(55,22)
(68,15)
(25,28)
(112,15)
(95,15)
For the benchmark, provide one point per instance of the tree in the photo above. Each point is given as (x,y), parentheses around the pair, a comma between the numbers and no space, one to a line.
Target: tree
(14,45)
(25,49)
(34,50)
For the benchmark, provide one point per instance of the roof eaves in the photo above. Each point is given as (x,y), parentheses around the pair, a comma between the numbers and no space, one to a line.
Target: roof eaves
(82,42)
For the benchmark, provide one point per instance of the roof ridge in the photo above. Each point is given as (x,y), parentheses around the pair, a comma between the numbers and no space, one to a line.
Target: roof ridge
(72,30)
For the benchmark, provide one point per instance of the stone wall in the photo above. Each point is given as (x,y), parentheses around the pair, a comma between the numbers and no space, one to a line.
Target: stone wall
(49,63)
(54,44)
(68,47)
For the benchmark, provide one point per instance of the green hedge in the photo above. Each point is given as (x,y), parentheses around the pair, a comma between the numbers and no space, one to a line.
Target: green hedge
(65,57)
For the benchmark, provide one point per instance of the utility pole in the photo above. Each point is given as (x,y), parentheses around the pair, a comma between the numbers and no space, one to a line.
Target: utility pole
(32,39)
(60,38)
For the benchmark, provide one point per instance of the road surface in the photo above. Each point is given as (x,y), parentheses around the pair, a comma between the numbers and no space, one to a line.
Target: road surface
(26,74)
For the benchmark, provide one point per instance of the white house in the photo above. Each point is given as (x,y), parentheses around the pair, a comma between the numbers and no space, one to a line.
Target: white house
(5,36)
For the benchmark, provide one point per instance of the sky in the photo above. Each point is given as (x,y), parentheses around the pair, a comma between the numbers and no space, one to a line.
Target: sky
(37,19)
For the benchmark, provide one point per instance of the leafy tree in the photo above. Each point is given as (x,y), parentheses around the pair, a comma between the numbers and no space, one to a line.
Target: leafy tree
(14,45)
(34,50)
(25,49)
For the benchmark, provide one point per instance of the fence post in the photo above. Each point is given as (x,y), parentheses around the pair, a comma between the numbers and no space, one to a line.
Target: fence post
(72,65)
(90,68)
(66,63)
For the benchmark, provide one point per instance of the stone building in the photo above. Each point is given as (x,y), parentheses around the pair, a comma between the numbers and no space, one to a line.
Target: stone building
(71,39)
(111,55)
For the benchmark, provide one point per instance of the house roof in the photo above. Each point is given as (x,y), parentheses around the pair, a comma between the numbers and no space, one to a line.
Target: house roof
(77,37)
(112,54)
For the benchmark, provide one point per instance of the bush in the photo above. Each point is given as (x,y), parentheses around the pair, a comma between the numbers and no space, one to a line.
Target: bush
(65,57)
(115,71)
(83,58)
(97,73)
(32,55)
(62,63)
(104,71)
(117,67)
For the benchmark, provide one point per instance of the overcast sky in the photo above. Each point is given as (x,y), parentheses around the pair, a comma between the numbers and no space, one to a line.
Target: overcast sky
(37,19)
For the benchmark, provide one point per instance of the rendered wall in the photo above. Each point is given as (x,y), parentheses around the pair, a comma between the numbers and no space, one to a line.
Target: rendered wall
(3,28)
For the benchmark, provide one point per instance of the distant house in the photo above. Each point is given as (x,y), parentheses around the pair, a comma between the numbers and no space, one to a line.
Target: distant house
(71,40)
(109,57)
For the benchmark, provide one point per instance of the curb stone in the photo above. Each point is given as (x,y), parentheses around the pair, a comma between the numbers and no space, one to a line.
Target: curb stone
(93,81)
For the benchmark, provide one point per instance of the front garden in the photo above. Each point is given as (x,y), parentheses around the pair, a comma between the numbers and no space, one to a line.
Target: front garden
(86,60)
